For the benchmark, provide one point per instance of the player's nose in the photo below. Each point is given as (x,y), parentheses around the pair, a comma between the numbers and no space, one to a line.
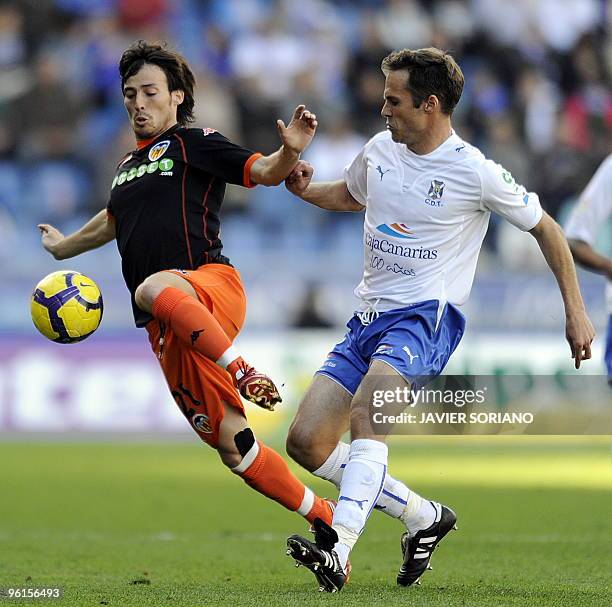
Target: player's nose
(139,101)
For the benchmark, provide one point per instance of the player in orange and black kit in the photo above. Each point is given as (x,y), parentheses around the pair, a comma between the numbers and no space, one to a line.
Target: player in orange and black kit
(164,213)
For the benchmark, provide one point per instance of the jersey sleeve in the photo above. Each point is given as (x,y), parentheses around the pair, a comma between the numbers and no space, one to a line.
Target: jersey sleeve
(356,177)
(502,195)
(209,151)
(594,206)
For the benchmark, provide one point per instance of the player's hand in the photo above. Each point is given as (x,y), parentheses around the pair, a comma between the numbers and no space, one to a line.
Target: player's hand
(50,237)
(299,132)
(579,333)
(299,179)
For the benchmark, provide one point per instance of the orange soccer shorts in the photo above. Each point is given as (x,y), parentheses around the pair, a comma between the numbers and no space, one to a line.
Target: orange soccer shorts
(200,386)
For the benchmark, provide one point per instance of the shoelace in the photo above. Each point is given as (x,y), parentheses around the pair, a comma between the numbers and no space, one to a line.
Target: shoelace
(162,332)
(370,314)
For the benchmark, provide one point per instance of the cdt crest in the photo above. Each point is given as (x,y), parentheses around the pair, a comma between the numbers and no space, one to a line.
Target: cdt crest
(436,189)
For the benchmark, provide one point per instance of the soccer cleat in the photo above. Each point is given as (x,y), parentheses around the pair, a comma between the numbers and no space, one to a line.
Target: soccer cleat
(254,386)
(417,549)
(320,557)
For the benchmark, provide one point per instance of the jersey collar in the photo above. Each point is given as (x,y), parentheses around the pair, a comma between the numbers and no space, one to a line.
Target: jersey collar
(143,143)
(452,140)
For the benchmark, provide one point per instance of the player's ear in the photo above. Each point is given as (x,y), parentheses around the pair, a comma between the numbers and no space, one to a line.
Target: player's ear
(431,103)
(177,97)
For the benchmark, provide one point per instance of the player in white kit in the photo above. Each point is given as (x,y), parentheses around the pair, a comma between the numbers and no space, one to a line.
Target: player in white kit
(591,215)
(427,196)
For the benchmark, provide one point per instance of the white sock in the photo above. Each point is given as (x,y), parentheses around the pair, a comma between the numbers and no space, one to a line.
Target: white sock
(361,486)
(393,498)
(396,499)
(418,514)
(333,467)
(229,356)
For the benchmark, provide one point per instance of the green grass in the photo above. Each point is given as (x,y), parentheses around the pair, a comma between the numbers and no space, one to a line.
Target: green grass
(167,524)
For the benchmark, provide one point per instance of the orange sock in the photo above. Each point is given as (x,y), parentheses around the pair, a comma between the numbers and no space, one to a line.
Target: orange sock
(264,470)
(194,324)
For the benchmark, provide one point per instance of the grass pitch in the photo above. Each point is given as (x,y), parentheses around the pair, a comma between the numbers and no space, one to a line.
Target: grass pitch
(167,524)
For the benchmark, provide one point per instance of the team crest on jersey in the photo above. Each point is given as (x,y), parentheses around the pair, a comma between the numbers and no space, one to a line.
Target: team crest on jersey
(158,150)
(208,131)
(436,189)
(201,422)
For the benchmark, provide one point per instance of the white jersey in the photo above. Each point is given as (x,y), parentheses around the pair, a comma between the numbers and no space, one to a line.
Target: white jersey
(426,217)
(592,213)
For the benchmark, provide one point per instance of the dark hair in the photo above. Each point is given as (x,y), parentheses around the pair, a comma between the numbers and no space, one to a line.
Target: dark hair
(179,75)
(431,72)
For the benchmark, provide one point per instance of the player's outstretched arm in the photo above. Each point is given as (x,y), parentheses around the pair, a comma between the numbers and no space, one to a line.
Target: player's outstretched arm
(589,258)
(329,195)
(273,169)
(578,327)
(99,230)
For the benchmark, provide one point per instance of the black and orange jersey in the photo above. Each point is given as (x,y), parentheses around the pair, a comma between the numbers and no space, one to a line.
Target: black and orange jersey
(165,200)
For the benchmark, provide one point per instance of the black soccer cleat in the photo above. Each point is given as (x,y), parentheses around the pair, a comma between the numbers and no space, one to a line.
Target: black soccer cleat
(417,550)
(319,556)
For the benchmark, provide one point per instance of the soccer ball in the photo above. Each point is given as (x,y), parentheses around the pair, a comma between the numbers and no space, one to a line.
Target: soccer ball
(66,306)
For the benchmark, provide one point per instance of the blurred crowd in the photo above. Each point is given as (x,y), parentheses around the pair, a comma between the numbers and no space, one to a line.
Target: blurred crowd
(537,97)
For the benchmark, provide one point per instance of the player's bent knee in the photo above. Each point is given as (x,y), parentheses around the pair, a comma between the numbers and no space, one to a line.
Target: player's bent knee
(150,289)
(305,449)
(294,445)
(147,292)
(241,454)
(230,458)
(244,441)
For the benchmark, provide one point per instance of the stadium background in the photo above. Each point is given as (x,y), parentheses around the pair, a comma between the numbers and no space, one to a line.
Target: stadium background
(537,100)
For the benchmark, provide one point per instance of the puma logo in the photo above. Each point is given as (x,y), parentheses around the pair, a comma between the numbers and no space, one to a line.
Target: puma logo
(350,499)
(195,335)
(410,354)
(382,173)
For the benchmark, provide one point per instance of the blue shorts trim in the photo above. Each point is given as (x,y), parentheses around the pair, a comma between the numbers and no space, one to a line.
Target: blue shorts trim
(330,376)
(411,340)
